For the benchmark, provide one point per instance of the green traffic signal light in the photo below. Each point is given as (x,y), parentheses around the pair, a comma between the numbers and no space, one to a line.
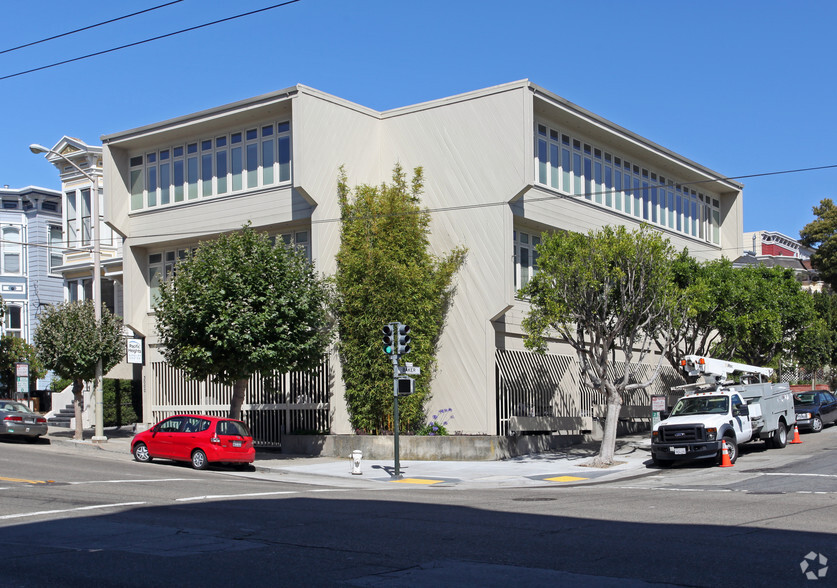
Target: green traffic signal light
(387,339)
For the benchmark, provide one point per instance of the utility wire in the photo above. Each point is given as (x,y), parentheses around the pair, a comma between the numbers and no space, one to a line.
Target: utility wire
(87,28)
(157,38)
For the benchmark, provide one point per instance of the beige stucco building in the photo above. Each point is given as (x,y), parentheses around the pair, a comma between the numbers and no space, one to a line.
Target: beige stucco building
(502,165)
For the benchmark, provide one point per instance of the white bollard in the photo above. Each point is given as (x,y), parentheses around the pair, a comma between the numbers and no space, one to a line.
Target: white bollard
(356,458)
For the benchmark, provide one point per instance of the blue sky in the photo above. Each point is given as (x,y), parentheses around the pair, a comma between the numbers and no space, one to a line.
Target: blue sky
(743,87)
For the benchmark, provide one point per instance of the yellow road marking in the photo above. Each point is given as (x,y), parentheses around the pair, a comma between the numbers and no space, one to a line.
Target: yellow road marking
(27,481)
(417,481)
(564,479)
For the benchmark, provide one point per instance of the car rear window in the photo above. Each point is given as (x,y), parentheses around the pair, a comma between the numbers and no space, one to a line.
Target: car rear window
(232,428)
(804,398)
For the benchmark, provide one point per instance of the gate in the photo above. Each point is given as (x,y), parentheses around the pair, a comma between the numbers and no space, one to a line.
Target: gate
(275,404)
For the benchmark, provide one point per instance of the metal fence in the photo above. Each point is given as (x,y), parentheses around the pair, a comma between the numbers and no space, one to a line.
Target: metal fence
(533,386)
(275,404)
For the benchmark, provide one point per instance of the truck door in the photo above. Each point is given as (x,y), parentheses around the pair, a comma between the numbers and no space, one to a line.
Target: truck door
(741,423)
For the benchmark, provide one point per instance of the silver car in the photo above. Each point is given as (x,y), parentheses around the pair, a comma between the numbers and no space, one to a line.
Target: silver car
(19,420)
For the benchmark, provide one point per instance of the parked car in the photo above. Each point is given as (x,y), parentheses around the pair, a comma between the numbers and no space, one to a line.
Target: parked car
(19,420)
(198,439)
(815,409)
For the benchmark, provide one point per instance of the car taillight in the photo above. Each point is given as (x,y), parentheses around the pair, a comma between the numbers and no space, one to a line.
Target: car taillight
(41,420)
(14,418)
(215,441)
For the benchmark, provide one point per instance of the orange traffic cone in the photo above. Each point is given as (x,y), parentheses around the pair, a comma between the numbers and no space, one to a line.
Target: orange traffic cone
(796,438)
(725,461)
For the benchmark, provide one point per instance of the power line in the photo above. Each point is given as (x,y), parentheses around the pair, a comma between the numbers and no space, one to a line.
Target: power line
(87,28)
(157,38)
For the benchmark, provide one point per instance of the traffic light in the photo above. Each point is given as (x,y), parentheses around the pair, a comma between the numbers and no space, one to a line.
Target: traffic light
(388,340)
(404,339)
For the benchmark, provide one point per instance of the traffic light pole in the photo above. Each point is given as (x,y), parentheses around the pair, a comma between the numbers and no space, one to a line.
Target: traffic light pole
(397,473)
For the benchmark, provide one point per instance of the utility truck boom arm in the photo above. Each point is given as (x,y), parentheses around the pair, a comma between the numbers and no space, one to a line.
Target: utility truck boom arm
(719,369)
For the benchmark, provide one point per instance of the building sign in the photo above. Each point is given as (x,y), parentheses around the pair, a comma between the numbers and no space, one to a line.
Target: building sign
(135,351)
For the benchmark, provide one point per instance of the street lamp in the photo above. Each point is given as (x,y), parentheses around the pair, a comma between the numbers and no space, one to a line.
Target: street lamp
(98,433)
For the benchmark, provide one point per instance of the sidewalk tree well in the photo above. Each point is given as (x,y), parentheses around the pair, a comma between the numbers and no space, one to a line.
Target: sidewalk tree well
(13,350)
(386,273)
(607,291)
(70,342)
(242,304)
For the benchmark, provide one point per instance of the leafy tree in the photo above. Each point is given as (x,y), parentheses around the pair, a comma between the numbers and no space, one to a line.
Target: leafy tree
(822,234)
(812,346)
(70,342)
(385,273)
(770,312)
(707,301)
(825,306)
(604,291)
(14,350)
(239,305)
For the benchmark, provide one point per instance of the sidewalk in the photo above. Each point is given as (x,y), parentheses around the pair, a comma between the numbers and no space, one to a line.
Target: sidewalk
(564,467)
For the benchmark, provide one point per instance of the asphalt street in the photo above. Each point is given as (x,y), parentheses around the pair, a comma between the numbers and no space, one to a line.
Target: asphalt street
(75,515)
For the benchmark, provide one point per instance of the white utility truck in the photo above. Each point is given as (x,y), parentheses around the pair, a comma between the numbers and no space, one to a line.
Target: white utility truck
(718,412)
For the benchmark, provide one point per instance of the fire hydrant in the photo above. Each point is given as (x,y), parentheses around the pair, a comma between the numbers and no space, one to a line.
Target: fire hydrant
(356,457)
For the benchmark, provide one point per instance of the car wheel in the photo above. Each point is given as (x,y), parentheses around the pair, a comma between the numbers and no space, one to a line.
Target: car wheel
(199,461)
(816,424)
(141,453)
(780,436)
(732,450)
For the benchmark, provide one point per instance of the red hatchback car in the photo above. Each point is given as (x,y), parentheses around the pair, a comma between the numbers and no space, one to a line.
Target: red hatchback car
(198,439)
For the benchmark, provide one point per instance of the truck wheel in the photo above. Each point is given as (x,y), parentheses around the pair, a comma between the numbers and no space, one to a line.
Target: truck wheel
(661,463)
(780,436)
(732,449)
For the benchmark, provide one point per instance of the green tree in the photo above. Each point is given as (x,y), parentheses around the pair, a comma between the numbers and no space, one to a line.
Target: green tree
(12,351)
(607,291)
(770,312)
(241,304)
(822,234)
(825,306)
(385,273)
(70,342)
(707,298)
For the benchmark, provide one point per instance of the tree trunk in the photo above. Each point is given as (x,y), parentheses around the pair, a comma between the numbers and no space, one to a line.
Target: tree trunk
(78,388)
(608,447)
(239,389)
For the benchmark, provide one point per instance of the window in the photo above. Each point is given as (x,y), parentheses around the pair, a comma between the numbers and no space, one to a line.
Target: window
(573,166)
(11,247)
(13,322)
(72,220)
(525,257)
(56,258)
(86,218)
(241,160)
(161,266)
(298,240)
